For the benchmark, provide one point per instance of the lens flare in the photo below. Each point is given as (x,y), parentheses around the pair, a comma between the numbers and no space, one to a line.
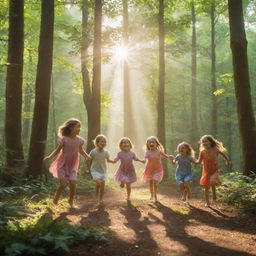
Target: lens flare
(121,52)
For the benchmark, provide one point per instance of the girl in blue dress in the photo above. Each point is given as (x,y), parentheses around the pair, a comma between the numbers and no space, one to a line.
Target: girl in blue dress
(184,173)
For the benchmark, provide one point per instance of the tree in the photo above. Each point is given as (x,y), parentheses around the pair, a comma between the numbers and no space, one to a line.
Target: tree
(43,88)
(161,85)
(92,94)
(128,125)
(194,126)
(246,120)
(13,124)
(213,72)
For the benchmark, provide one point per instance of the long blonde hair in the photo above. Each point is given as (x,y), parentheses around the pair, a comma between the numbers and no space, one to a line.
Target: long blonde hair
(190,150)
(214,143)
(65,129)
(159,145)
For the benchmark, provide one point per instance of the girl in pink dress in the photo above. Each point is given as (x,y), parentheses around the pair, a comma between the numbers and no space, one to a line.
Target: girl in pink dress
(126,171)
(66,165)
(153,172)
(210,149)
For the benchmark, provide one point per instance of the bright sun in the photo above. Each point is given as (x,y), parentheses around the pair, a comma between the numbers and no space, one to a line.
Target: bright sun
(121,52)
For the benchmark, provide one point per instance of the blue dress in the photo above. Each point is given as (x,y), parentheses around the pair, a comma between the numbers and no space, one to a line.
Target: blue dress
(184,171)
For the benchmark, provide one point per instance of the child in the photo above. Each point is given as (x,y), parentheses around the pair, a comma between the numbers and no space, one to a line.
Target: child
(98,165)
(154,170)
(184,174)
(66,165)
(210,149)
(126,171)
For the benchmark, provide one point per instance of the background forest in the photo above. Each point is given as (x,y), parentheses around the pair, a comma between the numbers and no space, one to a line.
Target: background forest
(67,87)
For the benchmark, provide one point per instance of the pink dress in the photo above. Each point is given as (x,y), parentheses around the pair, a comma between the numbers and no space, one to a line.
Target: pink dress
(67,162)
(154,169)
(126,171)
(210,173)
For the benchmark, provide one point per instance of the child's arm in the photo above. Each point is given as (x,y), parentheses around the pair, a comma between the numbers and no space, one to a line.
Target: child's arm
(140,160)
(84,154)
(173,160)
(165,155)
(200,159)
(111,161)
(54,153)
(227,160)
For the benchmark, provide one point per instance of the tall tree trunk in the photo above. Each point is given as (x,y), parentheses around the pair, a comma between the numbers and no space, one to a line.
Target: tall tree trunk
(128,126)
(194,126)
(54,127)
(27,108)
(238,44)
(213,73)
(228,127)
(96,78)
(92,94)
(161,86)
(13,124)
(43,88)
(26,119)
(87,94)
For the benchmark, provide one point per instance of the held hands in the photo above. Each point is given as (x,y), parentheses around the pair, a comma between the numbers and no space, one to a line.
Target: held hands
(87,158)
(172,159)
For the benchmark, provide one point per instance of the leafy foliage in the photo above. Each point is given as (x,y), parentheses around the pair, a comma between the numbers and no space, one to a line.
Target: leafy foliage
(239,190)
(41,235)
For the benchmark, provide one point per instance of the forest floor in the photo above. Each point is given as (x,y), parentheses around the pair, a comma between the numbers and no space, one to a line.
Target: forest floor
(168,227)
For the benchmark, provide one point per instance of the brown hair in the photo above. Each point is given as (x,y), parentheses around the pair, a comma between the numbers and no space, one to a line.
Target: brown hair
(159,145)
(65,129)
(123,140)
(190,150)
(98,138)
(214,143)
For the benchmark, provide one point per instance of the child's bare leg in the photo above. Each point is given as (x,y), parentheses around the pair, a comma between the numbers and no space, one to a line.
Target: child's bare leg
(97,188)
(151,189)
(72,185)
(182,190)
(155,189)
(102,188)
(62,185)
(188,190)
(206,195)
(121,185)
(128,189)
(214,197)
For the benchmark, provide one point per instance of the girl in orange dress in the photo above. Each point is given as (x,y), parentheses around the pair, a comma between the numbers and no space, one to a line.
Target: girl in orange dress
(210,149)
(154,172)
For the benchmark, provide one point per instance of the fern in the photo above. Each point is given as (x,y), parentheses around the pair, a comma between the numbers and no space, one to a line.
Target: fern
(44,235)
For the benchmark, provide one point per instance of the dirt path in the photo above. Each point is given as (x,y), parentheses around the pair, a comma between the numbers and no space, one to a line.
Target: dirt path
(168,227)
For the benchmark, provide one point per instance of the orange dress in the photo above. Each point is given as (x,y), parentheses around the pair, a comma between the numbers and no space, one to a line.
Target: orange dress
(154,169)
(210,173)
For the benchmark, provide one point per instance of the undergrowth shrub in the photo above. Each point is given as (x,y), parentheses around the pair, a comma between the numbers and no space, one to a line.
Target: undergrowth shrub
(41,235)
(239,190)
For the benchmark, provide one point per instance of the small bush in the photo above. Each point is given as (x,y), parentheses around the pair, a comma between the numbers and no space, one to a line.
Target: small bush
(239,190)
(42,235)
